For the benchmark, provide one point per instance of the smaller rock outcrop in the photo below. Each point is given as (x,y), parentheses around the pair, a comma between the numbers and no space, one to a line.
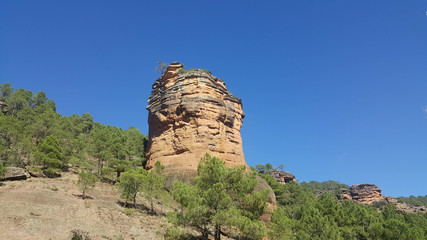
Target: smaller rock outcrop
(364,193)
(370,193)
(15,173)
(283,177)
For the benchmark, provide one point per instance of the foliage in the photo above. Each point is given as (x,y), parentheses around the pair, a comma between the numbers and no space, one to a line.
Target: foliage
(51,172)
(3,170)
(330,186)
(302,215)
(150,183)
(78,234)
(153,186)
(412,200)
(130,183)
(87,180)
(174,233)
(220,197)
(182,71)
(32,133)
(49,153)
(268,168)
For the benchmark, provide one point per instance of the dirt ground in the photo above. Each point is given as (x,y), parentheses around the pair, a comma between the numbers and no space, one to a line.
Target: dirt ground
(42,208)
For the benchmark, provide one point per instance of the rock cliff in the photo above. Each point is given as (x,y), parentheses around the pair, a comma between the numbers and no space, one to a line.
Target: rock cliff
(191,113)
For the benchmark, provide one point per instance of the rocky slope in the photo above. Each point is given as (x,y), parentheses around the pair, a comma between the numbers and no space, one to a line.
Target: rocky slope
(191,113)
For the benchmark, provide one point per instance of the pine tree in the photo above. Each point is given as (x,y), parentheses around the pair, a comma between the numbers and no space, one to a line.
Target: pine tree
(87,180)
(221,197)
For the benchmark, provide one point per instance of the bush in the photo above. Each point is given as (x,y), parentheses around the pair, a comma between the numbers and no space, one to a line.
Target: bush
(2,170)
(181,71)
(51,172)
(175,233)
(78,234)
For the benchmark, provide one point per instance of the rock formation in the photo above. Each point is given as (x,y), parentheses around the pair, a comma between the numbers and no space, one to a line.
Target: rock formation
(283,177)
(370,193)
(364,193)
(191,113)
(15,173)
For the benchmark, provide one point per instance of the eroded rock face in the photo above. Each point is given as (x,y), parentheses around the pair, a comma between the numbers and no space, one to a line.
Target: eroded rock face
(191,113)
(365,193)
(283,177)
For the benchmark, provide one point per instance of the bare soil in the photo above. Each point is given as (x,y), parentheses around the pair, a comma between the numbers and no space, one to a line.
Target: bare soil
(43,208)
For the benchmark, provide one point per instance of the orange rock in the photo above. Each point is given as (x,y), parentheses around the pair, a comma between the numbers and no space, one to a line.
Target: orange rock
(366,193)
(191,113)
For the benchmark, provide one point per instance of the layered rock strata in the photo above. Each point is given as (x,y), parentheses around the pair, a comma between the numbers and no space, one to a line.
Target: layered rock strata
(364,193)
(191,113)
(15,173)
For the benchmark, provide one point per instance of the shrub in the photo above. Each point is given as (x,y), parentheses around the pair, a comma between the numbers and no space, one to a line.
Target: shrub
(87,180)
(181,71)
(2,170)
(51,172)
(175,233)
(78,234)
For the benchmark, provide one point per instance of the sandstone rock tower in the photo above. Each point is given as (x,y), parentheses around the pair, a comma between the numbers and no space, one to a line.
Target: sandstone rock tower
(191,113)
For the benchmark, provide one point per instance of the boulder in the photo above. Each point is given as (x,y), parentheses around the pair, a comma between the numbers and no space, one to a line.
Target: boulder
(15,173)
(36,174)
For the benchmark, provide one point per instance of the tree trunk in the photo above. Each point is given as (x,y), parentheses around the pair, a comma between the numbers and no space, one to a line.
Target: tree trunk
(205,232)
(217,235)
(134,200)
(152,205)
(84,194)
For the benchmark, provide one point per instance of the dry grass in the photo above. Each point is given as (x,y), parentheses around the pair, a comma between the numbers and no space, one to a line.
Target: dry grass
(52,208)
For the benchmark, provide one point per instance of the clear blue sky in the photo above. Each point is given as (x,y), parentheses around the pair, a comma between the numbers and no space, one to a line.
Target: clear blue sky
(331,89)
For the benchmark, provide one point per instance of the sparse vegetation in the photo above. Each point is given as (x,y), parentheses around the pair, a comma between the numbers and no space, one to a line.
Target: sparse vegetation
(78,234)
(2,170)
(161,67)
(175,233)
(130,184)
(182,71)
(412,200)
(150,183)
(87,180)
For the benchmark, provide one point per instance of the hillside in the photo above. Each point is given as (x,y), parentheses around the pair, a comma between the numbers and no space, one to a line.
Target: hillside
(46,208)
